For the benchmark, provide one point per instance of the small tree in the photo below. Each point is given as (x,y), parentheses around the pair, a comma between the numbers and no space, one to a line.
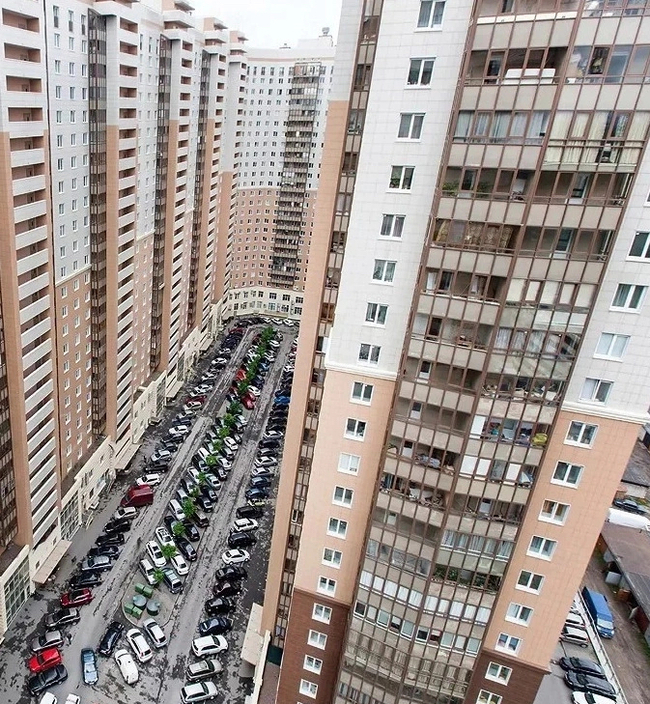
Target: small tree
(178,530)
(202,478)
(235,408)
(267,334)
(158,575)
(189,508)
(168,551)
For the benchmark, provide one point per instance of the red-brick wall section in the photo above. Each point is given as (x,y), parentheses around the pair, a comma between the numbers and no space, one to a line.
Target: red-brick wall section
(521,688)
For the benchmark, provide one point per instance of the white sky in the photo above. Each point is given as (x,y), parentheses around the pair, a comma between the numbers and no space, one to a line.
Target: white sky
(271,23)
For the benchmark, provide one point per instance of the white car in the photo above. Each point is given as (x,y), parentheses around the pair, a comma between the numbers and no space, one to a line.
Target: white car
(194,475)
(244,524)
(152,479)
(155,632)
(155,554)
(179,563)
(209,645)
(129,512)
(127,666)
(177,510)
(235,556)
(70,699)
(198,692)
(242,420)
(162,536)
(274,343)
(179,431)
(48,698)
(289,323)
(158,455)
(139,645)
(589,698)
(273,435)
(232,444)
(254,391)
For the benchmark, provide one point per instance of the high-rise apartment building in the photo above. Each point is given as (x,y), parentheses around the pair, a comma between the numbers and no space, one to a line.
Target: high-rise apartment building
(112,121)
(282,139)
(471,369)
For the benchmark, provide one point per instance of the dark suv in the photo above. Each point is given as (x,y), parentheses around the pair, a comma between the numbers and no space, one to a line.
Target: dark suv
(249,512)
(109,639)
(241,540)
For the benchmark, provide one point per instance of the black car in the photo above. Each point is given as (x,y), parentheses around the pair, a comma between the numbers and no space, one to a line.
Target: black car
(108,550)
(586,683)
(588,667)
(269,443)
(257,493)
(118,525)
(201,520)
(629,506)
(86,579)
(200,464)
(171,444)
(215,626)
(241,540)
(112,539)
(204,503)
(161,466)
(249,512)
(260,482)
(210,493)
(222,589)
(109,639)
(267,452)
(191,531)
(186,549)
(44,680)
(230,573)
(221,605)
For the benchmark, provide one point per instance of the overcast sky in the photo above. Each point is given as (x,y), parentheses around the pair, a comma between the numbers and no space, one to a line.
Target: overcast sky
(271,23)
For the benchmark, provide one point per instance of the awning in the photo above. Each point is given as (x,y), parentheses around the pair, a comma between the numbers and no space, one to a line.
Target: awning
(252,647)
(53,559)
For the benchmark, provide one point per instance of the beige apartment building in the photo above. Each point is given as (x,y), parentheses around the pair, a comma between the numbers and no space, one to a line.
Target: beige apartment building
(472,366)
(113,120)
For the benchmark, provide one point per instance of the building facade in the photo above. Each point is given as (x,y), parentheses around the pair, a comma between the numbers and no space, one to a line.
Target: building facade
(282,140)
(471,374)
(112,119)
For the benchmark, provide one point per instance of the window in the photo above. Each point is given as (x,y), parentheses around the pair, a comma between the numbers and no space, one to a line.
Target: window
(542,547)
(57,66)
(430,14)
(611,345)
(425,370)
(384,270)
(362,392)
(517,613)
(554,512)
(530,582)
(313,664)
(498,673)
(401,177)
(326,585)
(508,644)
(349,463)
(420,71)
(337,527)
(485,697)
(392,225)
(410,125)
(629,297)
(310,689)
(595,390)
(355,429)
(641,246)
(369,353)
(322,613)
(567,474)
(376,313)
(342,496)
(332,558)
(581,434)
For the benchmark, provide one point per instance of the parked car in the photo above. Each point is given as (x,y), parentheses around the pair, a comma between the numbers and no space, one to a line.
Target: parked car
(245,524)
(115,539)
(129,512)
(224,589)
(45,660)
(89,670)
(209,493)
(135,639)
(202,669)
(201,519)
(148,572)
(198,692)
(630,506)
(109,639)
(191,531)
(138,496)
(257,493)
(76,597)
(241,540)
(155,633)
(163,536)
(179,431)
(575,620)
(183,419)
(204,503)
(281,401)
(49,639)
(176,509)
(62,617)
(270,443)
(586,683)
(121,525)
(180,565)
(231,573)
(160,467)
(260,482)
(155,554)
(45,680)
(99,563)
(249,512)
(152,479)
(112,551)
(574,635)
(160,455)
(171,580)
(128,668)
(263,472)
(584,665)
(186,549)
(86,579)
(248,403)
(209,645)
(589,698)
(219,605)
(215,626)
(266,461)
(234,557)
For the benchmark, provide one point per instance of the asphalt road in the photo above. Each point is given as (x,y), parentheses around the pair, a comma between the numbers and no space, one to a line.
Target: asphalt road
(162,678)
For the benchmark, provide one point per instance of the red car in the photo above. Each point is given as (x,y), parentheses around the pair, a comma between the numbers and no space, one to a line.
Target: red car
(77,597)
(45,660)
(248,402)
(241,375)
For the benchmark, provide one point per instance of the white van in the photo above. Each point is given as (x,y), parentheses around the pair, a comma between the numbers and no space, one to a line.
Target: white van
(570,634)
(147,570)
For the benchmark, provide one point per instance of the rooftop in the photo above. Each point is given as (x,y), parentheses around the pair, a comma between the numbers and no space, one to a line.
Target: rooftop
(637,471)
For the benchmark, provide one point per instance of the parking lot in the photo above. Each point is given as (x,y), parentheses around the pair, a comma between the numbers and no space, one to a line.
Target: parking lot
(162,678)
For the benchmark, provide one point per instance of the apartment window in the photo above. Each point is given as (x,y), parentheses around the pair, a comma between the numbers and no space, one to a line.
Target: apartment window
(508,644)
(59,116)
(530,582)
(332,558)
(376,313)
(611,346)
(342,496)
(55,15)
(369,353)
(425,370)
(410,125)
(337,527)
(384,270)
(595,390)
(362,392)
(322,613)
(567,474)
(629,297)
(59,164)
(581,434)
(420,72)
(518,613)
(73,162)
(430,14)
(554,512)
(313,664)
(498,673)
(542,547)
(485,697)
(401,178)
(641,246)
(349,463)
(309,689)
(392,225)
(355,429)
(326,585)
(57,66)
(71,68)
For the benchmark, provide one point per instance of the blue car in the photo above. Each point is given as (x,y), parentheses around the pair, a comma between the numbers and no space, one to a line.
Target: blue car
(282,401)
